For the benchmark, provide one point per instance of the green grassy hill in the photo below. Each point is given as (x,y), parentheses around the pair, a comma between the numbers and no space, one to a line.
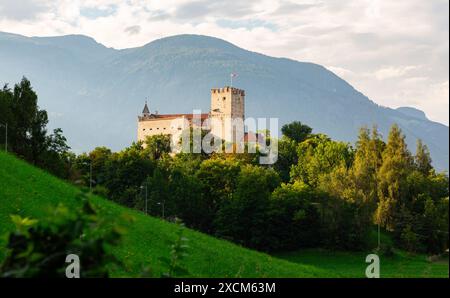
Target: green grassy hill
(31,192)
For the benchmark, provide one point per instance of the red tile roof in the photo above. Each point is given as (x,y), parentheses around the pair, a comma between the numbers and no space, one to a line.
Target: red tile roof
(175,116)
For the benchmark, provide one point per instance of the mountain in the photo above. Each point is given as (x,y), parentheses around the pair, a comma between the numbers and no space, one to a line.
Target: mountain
(95,93)
(412,112)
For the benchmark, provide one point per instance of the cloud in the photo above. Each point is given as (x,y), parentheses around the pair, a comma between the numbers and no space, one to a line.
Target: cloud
(288,7)
(22,10)
(96,12)
(393,72)
(192,10)
(247,24)
(158,15)
(395,52)
(132,30)
(201,9)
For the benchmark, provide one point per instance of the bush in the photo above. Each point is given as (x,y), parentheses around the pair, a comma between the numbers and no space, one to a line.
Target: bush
(39,249)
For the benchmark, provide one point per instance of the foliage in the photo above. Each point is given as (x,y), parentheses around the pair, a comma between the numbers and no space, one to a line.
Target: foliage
(178,253)
(38,249)
(27,132)
(321,192)
(287,157)
(318,156)
(156,146)
(296,131)
(242,218)
(146,239)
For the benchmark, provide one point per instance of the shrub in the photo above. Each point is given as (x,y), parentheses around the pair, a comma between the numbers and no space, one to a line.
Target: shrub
(39,248)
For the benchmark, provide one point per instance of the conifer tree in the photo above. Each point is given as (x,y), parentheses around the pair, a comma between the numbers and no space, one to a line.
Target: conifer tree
(422,158)
(392,188)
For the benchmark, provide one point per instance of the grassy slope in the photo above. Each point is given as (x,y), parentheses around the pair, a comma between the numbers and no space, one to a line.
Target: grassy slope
(31,192)
(352,263)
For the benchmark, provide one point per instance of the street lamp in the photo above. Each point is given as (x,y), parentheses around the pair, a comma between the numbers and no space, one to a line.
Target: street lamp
(162,205)
(6,135)
(146,196)
(90,176)
(379,235)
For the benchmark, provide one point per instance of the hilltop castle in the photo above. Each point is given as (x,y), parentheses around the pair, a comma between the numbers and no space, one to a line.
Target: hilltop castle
(225,119)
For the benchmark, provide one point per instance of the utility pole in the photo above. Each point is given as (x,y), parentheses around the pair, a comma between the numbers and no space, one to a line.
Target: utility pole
(162,203)
(378,235)
(146,197)
(90,177)
(6,135)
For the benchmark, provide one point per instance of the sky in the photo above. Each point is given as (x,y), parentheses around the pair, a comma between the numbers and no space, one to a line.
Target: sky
(395,52)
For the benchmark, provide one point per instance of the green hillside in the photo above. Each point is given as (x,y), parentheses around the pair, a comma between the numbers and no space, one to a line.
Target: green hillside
(31,192)
(28,191)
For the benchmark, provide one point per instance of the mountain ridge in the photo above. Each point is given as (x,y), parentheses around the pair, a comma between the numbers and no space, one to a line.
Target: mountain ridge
(108,87)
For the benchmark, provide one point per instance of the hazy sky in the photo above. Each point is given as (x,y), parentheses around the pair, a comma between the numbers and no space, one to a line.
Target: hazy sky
(395,52)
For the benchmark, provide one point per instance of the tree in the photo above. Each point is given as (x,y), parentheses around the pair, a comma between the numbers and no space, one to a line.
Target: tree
(6,114)
(243,217)
(287,157)
(27,130)
(156,146)
(125,173)
(157,188)
(392,176)
(293,219)
(296,131)
(347,216)
(219,179)
(318,156)
(26,118)
(188,200)
(56,158)
(368,160)
(422,158)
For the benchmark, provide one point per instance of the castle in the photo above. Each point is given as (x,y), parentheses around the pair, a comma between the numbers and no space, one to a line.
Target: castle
(225,119)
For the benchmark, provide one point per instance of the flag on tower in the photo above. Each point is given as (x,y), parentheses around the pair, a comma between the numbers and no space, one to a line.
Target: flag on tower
(232,75)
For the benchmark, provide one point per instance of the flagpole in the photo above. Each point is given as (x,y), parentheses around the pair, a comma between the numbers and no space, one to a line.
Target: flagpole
(231,80)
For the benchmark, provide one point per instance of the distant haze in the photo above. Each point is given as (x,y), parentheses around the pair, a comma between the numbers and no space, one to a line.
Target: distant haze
(95,93)
(396,52)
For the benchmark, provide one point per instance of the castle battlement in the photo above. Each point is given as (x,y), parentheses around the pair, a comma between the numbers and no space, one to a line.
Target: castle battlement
(228,89)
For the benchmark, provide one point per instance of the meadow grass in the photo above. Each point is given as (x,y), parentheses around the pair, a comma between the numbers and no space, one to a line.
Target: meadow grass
(31,192)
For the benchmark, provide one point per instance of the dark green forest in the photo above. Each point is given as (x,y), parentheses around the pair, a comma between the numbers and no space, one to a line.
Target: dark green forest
(320,193)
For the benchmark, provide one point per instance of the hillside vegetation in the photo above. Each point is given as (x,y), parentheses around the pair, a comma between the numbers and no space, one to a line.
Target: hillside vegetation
(30,192)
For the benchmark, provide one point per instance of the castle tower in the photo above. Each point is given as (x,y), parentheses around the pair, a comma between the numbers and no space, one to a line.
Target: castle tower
(228,113)
(146,110)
